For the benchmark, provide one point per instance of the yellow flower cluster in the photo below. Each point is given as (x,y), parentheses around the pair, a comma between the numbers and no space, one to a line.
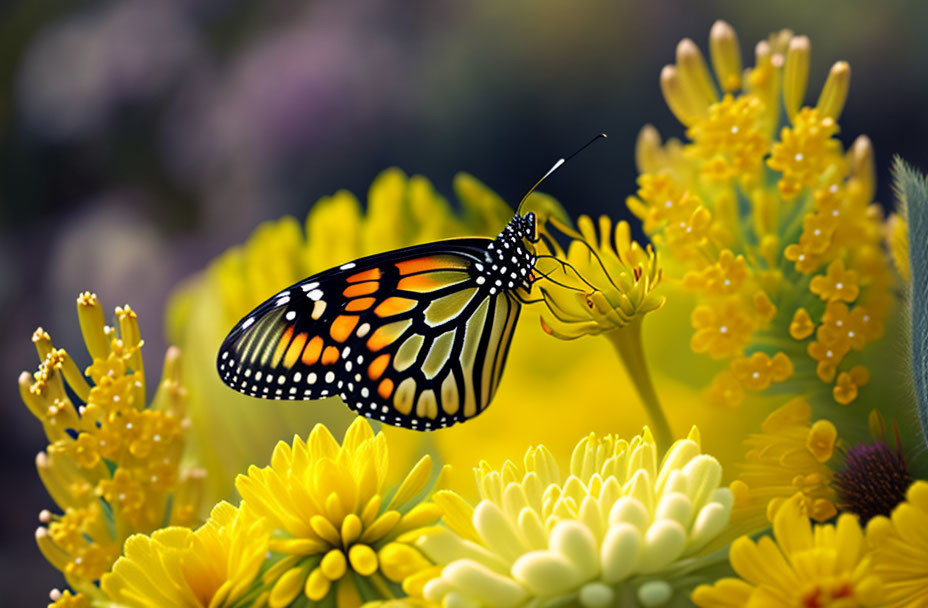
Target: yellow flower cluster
(620,524)
(823,565)
(320,524)
(113,465)
(775,231)
(790,455)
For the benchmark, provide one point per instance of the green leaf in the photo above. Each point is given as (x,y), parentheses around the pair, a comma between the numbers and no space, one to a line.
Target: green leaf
(110,466)
(109,521)
(912,190)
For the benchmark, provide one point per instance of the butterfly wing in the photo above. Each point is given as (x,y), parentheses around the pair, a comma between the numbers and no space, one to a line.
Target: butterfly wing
(409,337)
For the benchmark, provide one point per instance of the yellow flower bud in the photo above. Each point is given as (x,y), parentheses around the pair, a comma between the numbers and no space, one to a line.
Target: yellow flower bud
(726,55)
(834,93)
(796,74)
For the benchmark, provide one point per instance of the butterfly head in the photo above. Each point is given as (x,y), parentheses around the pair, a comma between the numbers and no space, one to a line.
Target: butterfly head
(525,226)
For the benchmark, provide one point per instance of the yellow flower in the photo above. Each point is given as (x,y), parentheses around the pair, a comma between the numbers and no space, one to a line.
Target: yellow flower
(336,521)
(803,565)
(610,279)
(790,455)
(763,221)
(234,431)
(620,523)
(113,465)
(67,600)
(213,566)
(899,545)
(758,371)
(721,331)
(603,286)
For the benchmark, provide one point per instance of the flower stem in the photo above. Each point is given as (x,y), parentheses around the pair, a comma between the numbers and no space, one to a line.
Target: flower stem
(627,343)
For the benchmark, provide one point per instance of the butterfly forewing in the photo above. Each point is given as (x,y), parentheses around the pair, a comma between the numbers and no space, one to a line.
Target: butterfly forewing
(414,338)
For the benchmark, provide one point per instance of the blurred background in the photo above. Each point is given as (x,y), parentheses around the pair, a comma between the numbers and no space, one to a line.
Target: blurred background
(140,139)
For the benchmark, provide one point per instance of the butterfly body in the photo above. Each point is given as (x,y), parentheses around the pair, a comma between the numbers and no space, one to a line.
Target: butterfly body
(416,337)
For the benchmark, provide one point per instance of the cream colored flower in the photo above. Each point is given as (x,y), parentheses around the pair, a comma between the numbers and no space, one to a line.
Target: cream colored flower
(620,524)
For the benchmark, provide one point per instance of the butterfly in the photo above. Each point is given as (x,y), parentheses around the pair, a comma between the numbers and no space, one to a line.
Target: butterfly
(417,337)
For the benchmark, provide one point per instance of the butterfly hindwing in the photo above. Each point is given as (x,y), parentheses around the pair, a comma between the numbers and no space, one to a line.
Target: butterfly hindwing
(413,337)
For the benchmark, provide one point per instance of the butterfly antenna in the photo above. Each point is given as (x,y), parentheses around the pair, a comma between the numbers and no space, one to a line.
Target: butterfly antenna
(565,266)
(558,283)
(557,166)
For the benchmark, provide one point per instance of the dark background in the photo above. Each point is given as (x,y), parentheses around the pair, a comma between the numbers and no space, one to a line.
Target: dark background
(140,139)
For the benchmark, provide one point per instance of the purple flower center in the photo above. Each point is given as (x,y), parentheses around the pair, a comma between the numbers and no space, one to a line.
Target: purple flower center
(872,480)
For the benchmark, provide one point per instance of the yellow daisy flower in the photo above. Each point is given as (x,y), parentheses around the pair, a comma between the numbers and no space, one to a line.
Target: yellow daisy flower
(621,523)
(802,565)
(113,465)
(213,566)
(899,545)
(341,530)
(772,226)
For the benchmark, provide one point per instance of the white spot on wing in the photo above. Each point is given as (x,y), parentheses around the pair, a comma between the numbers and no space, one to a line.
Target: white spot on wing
(315,294)
(347,266)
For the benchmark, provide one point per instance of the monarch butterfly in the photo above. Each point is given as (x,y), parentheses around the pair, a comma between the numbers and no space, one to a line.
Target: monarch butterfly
(416,337)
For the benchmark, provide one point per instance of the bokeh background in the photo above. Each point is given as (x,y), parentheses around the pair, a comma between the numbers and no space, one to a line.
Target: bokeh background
(140,139)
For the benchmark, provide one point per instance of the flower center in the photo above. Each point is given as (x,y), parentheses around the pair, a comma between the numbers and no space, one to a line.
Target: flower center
(873,480)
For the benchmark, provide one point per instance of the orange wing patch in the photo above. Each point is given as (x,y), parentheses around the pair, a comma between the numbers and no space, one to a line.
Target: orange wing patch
(312,352)
(430,281)
(359,304)
(329,355)
(385,389)
(394,306)
(387,334)
(342,327)
(431,262)
(361,289)
(293,353)
(367,275)
(377,366)
(281,346)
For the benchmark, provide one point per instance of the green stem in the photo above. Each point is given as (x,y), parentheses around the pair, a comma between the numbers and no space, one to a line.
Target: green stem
(627,343)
